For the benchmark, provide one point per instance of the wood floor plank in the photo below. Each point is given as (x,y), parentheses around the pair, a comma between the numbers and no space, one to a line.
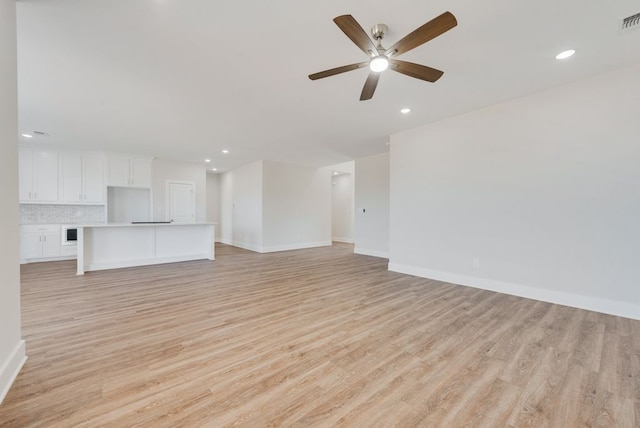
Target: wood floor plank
(317,337)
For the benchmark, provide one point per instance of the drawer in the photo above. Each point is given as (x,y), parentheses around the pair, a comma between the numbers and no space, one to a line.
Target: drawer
(43,228)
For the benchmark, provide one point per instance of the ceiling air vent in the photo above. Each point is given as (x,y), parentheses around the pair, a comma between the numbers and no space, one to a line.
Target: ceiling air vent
(631,22)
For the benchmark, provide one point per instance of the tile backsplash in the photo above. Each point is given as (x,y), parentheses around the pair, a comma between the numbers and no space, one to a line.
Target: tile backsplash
(52,214)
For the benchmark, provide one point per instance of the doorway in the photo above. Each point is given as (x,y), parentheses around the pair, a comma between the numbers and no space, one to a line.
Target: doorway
(342,207)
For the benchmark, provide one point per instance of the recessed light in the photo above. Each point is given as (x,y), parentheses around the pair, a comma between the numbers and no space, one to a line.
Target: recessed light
(335,172)
(27,135)
(565,54)
(225,151)
(405,110)
(214,169)
(207,160)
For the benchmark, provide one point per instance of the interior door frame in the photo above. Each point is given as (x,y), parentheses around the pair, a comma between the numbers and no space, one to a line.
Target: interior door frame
(166,197)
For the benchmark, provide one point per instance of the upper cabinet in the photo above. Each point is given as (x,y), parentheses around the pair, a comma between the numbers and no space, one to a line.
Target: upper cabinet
(81,178)
(126,172)
(38,175)
(68,177)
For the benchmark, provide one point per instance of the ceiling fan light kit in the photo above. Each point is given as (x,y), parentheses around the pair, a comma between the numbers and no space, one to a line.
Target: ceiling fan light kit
(380,58)
(379,63)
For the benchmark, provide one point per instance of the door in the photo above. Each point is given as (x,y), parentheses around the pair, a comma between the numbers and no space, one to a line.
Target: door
(181,202)
(25,170)
(118,172)
(51,244)
(45,168)
(70,176)
(92,179)
(141,172)
(31,245)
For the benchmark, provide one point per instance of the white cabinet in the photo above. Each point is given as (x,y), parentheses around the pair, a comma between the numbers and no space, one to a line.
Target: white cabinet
(93,179)
(81,178)
(125,172)
(40,241)
(38,176)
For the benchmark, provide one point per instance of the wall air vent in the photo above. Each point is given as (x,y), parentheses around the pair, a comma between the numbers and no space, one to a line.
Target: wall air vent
(41,133)
(631,22)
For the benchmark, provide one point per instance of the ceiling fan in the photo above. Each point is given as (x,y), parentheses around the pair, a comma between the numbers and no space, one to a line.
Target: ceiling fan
(381,58)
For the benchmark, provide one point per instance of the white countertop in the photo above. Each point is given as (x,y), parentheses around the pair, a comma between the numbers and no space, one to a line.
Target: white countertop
(144,224)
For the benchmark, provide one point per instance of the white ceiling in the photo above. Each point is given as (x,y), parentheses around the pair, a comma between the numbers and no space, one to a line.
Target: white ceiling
(183,79)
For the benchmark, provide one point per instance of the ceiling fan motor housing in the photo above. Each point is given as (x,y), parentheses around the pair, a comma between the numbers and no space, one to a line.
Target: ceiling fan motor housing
(378,31)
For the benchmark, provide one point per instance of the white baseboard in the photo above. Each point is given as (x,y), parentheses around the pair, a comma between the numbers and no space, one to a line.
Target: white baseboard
(297,246)
(10,368)
(612,307)
(369,252)
(144,262)
(345,240)
(47,259)
(242,245)
(276,248)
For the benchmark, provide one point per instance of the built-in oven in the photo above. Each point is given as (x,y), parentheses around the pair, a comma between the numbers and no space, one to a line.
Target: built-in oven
(69,235)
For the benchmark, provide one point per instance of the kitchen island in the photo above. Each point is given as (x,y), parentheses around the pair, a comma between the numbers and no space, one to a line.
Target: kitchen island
(117,245)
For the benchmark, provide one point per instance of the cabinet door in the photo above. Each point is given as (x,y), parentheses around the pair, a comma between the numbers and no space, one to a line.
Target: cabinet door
(141,172)
(51,244)
(25,174)
(45,168)
(70,176)
(118,172)
(30,245)
(92,179)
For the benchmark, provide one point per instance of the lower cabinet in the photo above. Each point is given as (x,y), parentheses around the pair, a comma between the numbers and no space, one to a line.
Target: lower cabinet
(42,242)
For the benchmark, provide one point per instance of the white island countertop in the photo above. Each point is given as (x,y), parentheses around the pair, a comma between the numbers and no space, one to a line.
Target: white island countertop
(143,224)
(118,245)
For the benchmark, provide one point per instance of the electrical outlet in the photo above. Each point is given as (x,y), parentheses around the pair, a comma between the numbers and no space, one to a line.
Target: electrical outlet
(476,263)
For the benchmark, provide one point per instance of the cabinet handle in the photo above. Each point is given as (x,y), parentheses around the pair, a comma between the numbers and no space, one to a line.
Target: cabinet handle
(35,195)
(45,238)
(40,238)
(29,195)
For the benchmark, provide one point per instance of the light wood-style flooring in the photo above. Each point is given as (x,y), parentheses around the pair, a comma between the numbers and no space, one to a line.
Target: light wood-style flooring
(317,337)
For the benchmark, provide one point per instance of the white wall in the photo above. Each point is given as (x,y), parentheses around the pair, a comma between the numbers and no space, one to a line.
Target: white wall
(12,347)
(164,170)
(542,191)
(241,202)
(372,205)
(296,206)
(128,204)
(214,191)
(342,208)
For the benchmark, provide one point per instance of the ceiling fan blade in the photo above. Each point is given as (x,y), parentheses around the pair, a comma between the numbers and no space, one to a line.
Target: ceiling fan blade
(337,70)
(370,86)
(354,31)
(415,70)
(423,34)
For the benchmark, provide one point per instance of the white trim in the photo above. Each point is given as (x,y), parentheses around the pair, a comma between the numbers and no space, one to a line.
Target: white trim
(146,262)
(47,259)
(345,240)
(622,309)
(276,248)
(11,367)
(298,246)
(242,245)
(373,253)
